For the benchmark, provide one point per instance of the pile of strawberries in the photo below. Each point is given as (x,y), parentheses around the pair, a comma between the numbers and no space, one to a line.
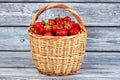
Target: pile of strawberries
(57,27)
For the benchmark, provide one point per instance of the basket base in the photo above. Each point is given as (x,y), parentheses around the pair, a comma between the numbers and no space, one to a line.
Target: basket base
(60,74)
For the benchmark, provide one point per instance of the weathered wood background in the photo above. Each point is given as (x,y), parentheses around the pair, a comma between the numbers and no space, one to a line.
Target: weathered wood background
(101,17)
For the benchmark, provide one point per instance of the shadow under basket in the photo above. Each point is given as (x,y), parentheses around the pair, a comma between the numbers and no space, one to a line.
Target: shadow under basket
(58,55)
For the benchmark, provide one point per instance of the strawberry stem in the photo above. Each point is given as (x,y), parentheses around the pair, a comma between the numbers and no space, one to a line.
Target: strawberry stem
(60,27)
(43,21)
(47,26)
(66,24)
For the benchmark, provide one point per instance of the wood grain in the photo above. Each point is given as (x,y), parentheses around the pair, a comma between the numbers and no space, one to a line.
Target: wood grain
(92,14)
(16,15)
(32,74)
(99,39)
(96,65)
(92,60)
(59,1)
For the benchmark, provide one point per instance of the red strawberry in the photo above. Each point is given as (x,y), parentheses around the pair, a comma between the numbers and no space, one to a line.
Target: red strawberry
(51,22)
(77,25)
(61,32)
(41,31)
(38,25)
(62,23)
(70,25)
(47,28)
(74,31)
(56,27)
(58,20)
(48,34)
(39,28)
(36,32)
(67,19)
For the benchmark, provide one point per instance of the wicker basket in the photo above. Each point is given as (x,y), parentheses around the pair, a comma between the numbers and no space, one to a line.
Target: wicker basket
(55,55)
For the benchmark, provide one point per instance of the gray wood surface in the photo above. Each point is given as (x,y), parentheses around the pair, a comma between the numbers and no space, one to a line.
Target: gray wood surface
(102,18)
(83,74)
(59,0)
(96,66)
(92,60)
(99,38)
(92,14)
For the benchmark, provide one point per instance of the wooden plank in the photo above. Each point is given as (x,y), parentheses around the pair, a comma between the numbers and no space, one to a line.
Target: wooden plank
(103,39)
(32,73)
(99,39)
(22,67)
(58,78)
(92,14)
(59,1)
(16,59)
(92,60)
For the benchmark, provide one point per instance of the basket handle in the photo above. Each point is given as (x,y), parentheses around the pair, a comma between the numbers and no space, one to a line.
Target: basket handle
(74,13)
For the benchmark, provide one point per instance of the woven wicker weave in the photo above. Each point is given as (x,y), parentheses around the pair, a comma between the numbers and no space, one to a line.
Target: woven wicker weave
(55,55)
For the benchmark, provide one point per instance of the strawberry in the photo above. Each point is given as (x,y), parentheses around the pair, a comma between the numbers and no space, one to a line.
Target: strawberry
(48,34)
(72,23)
(62,23)
(41,31)
(36,32)
(61,32)
(74,31)
(47,28)
(38,25)
(56,27)
(39,28)
(58,20)
(77,25)
(69,26)
(51,22)
(67,19)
